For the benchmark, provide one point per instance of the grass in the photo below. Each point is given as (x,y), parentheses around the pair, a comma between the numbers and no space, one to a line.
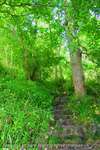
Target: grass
(86,112)
(24,112)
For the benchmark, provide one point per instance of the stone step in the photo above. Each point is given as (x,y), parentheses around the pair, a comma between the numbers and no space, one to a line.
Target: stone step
(69,131)
(63,116)
(60,110)
(64,120)
(59,102)
(65,123)
(61,99)
(59,107)
(67,147)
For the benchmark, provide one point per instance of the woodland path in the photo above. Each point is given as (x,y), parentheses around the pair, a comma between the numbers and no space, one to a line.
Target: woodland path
(65,129)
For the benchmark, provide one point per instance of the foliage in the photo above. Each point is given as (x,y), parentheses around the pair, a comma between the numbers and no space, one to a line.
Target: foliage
(84,109)
(24,112)
(37,41)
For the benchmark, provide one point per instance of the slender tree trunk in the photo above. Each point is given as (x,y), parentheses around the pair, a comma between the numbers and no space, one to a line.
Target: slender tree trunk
(26,64)
(77,72)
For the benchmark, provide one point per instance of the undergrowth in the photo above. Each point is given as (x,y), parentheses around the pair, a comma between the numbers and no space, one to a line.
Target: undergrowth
(24,112)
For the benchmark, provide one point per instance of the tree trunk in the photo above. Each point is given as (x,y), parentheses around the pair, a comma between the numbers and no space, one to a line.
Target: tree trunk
(26,64)
(77,72)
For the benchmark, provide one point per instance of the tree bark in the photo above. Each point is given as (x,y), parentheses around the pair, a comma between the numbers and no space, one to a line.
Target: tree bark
(26,64)
(77,72)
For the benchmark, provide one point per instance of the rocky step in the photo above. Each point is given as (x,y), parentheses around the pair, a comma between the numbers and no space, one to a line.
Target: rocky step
(61,123)
(58,107)
(62,109)
(62,115)
(65,120)
(69,147)
(65,123)
(69,131)
(58,102)
(61,99)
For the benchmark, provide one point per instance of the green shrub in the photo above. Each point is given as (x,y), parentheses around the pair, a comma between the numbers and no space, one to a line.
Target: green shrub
(83,108)
(93,88)
(86,112)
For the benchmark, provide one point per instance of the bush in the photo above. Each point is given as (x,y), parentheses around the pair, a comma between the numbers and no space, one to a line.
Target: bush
(86,112)
(93,88)
(83,108)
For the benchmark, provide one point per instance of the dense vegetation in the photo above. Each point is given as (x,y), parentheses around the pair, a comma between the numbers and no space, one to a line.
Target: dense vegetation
(47,48)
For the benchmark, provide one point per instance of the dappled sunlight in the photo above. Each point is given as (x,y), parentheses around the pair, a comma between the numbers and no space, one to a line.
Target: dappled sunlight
(49,74)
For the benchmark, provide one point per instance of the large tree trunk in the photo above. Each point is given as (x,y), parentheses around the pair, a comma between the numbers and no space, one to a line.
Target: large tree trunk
(77,72)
